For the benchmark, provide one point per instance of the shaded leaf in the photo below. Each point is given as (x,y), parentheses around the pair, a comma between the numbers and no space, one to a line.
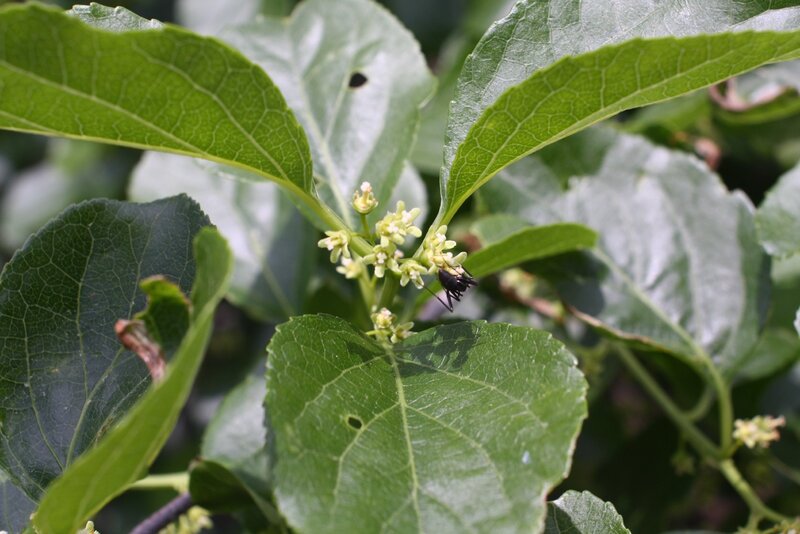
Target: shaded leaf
(126,451)
(233,469)
(677,266)
(64,378)
(356,133)
(273,245)
(582,513)
(778,217)
(369,438)
(16,506)
(161,88)
(777,349)
(545,72)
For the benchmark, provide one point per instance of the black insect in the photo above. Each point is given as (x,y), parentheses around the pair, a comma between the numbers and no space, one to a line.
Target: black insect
(454,284)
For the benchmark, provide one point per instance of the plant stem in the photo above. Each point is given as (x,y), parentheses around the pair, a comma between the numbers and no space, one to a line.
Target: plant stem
(165,515)
(725,407)
(699,410)
(744,489)
(367,290)
(390,285)
(693,435)
(365,226)
(700,442)
(175,481)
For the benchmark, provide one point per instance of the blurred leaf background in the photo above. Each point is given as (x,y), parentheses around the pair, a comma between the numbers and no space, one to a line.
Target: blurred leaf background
(748,130)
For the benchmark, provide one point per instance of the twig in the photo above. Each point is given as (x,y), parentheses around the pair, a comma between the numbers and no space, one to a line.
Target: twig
(165,515)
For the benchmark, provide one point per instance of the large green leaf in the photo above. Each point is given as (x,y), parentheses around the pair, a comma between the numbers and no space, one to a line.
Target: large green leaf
(778,217)
(356,133)
(582,513)
(274,247)
(64,377)
(133,82)
(460,428)
(678,266)
(123,455)
(547,71)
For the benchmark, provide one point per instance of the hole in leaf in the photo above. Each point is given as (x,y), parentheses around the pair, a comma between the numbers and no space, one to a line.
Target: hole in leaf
(357,80)
(354,422)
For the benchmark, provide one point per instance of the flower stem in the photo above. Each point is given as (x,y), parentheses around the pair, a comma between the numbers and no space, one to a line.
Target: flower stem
(700,442)
(719,457)
(390,285)
(176,481)
(758,508)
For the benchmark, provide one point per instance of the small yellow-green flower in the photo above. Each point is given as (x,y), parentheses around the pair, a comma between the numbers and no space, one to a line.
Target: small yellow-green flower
(337,242)
(363,199)
(435,255)
(385,328)
(383,258)
(759,431)
(351,268)
(412,271)
(394,227)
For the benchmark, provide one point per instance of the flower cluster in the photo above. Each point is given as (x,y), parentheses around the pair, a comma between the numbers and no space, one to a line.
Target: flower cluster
(759,431)
(436,255)
(390,234)
(386,329)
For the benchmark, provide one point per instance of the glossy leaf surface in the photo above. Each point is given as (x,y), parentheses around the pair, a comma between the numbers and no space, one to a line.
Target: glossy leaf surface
(126,451)
(547,71)
(582,513)
(370,438)
(356,79)
(65,379)
(677,267)
(145,85)
(273,246)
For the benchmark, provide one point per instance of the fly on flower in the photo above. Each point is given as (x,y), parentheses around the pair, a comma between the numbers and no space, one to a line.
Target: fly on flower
(454,284)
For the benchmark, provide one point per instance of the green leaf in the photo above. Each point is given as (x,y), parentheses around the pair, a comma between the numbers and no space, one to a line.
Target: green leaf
(161,88)
(460,428)
(506,244)
(677,267)
(64,376)
(546,72)
(233,468)
(480,14)
(582,513)
(356,133)
(273,245)
(777,349)
(16,507)
(123,455)
(778,217)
